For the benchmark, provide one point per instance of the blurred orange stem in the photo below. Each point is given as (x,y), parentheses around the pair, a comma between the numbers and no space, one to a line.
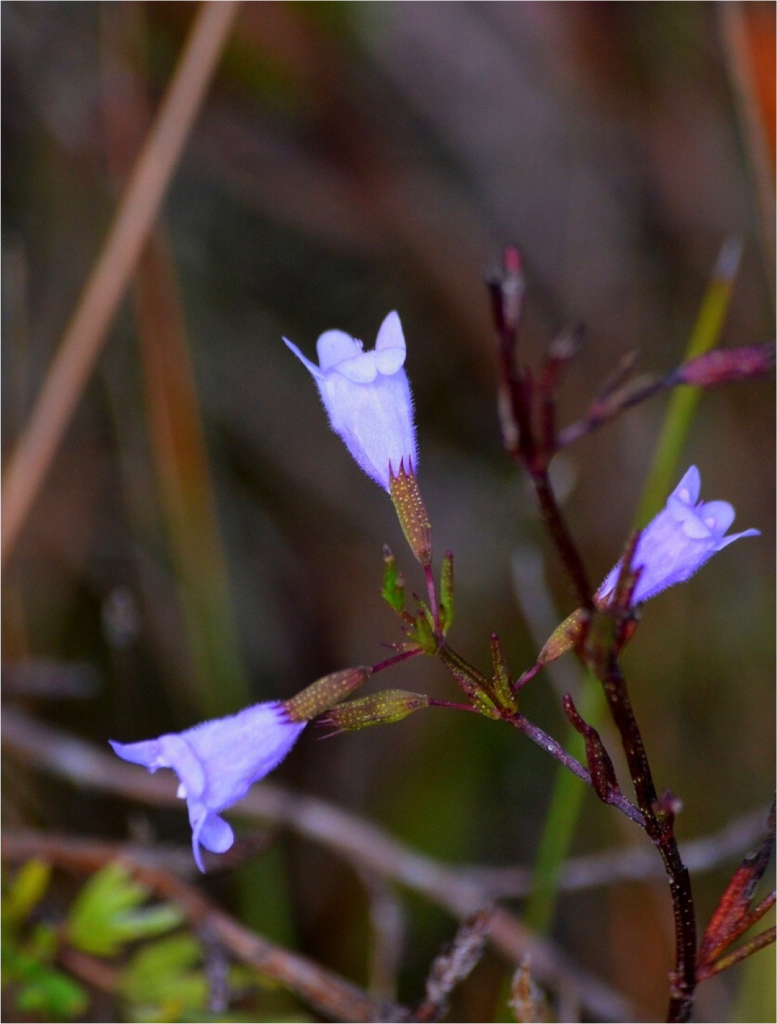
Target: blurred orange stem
(184,480)
(747,35)
(137,211)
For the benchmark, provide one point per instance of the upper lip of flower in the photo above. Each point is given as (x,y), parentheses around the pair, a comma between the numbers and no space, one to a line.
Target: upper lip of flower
(702,519)
(216,763)
(338,351)
(679,540)
(367,397)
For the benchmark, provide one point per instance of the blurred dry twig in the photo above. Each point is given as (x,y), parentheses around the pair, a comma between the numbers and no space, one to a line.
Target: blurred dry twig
(326,991)
(137,210)
(460,891)
(351,837)
(737,38)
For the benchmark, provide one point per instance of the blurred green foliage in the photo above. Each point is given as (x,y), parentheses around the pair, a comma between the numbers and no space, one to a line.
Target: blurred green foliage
(351,159)
(155,979)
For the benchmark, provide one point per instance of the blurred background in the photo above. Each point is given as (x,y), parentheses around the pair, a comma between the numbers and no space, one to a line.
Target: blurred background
(203,541)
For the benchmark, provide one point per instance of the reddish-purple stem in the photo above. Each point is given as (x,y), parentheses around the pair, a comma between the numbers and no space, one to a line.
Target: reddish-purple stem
(548,744)
(433,607)
(660,829)
(535,452)
(396,658)
(435,703)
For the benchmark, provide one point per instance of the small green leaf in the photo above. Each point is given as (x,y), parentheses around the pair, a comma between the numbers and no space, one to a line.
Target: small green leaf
(170,1012)
(52,992)
(474,684)
(149,921)
(164,971)
(107,913)
(423,630)
(446,593)
(480,700)
(43,941)
(27,890)
(503,691)
(38,987)
(393,590)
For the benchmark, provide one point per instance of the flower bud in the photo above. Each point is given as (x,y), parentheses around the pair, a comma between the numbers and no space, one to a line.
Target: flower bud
(380,708)
(726,365)
(564,637)
(413,517)
(317,698)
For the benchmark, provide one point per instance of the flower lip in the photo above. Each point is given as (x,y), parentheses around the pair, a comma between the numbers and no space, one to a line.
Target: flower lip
(367,397)
(681,538)
(339,351)
(217,762)
(335,347)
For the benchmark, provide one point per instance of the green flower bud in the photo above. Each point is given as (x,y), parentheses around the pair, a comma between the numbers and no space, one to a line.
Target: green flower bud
(380,708)
(317,698)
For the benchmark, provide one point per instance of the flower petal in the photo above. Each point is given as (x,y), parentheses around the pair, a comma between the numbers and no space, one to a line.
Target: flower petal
(689,487)
(180,756)
(303,359)
(362,369)
(688,518)
(146,753)
(684,535)
(215,834)
(736,536)
(335,347)
(390,333)
(717,516)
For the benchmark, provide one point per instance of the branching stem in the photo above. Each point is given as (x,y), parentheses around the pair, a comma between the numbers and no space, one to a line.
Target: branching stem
(659,825)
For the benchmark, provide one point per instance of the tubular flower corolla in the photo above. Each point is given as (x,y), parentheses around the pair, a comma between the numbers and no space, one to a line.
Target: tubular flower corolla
(367,398)
(683,536)
(217,762)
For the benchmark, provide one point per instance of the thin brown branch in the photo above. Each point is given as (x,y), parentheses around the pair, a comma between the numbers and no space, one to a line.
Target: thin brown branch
(552,747)
(453,966)
(320,988)
(515,406)
(86,333)
(602,656)
(348,836)
(625,865)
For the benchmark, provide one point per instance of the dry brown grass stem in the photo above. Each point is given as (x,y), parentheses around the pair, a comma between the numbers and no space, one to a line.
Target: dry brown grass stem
(739,61)
(350,837)
(137,211)
(332,995)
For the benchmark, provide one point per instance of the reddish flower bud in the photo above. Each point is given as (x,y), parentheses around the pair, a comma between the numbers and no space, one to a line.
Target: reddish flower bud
(726,365)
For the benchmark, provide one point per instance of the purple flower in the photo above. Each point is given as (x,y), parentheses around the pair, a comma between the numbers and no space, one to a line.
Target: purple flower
(217,763)
(367,398)
(681,538)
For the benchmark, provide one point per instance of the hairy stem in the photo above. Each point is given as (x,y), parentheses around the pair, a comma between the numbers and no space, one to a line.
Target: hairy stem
(471,679)
(541,738)
(659,825)
(557,528)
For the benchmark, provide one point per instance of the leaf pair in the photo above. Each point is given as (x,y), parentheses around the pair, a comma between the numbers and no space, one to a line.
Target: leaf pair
(735,913)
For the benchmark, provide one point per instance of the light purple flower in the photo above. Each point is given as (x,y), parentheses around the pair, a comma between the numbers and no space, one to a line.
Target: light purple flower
(367,398)
(682,537)
(216,763)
